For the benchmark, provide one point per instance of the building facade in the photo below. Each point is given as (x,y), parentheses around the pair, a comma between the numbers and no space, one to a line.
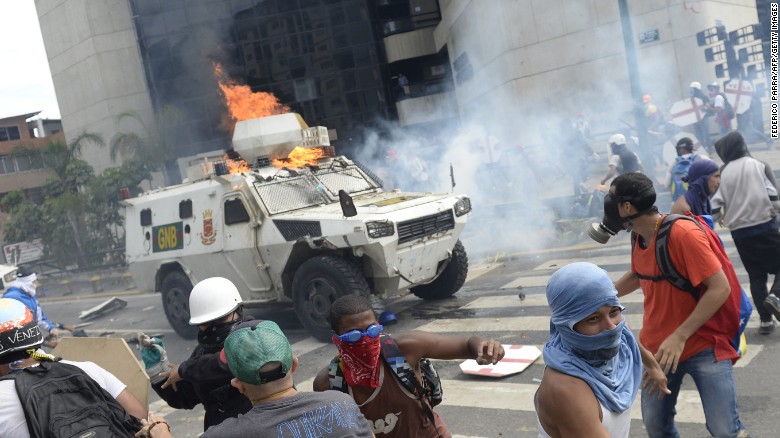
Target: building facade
(25,172)
(424,65)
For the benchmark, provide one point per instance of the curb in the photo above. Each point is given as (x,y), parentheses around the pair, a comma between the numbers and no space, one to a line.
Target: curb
(80,297)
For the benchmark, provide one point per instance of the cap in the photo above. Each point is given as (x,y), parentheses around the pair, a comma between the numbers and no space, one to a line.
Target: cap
(617,139)
(713,85)
(685,143)
(646,98)
(696,85)
(253,345)
(24,271)
(18,329)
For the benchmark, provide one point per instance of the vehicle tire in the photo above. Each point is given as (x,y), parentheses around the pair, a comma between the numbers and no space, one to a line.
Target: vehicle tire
(450,281)
(318,282)
(176,288)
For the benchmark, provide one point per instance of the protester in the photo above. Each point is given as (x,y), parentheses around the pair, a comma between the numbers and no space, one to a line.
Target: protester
(702,127)
(215,307)
(24,289)
(593,366)
(22,360)
(746,203)
(260,357)
(391,409)
(686,334)
(703,181)
(623,160)
(720,106)
(678,170)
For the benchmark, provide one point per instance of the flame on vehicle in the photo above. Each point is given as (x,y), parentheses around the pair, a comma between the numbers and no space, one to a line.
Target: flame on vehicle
(300,157)
(244,104)
(236,166)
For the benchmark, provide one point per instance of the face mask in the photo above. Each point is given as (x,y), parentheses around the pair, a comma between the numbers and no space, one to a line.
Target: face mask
(361,360)
(216,333)
(595,349)
(612,222)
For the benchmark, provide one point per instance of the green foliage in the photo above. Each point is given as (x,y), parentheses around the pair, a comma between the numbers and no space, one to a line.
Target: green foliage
(81,219)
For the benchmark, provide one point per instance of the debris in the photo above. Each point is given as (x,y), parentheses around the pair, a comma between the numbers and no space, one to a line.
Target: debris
(521,295)
(111,305)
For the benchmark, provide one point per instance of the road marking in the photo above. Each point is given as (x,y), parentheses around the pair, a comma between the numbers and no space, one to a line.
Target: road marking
(306,346)
(603,260)
(530,300)
(480,271)
(520,397)
(541,280)
(503,324)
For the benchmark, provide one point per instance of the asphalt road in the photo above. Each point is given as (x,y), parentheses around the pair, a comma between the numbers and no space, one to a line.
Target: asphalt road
(488,305)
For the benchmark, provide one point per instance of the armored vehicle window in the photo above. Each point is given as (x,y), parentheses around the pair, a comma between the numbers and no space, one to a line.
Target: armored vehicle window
(235,212)
(185,209)
(146,217)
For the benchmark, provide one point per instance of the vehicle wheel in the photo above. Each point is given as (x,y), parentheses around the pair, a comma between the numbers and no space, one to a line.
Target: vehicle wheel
(318,282)
(450,281)
(176,288)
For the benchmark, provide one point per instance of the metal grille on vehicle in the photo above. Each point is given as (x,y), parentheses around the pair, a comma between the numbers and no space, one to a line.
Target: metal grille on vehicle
(292,230)
(425,226)
(287,194)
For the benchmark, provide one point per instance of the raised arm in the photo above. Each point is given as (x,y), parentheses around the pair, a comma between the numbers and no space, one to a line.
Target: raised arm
(418,344)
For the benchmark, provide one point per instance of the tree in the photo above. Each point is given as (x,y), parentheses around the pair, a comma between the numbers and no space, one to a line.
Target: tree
(148,151)
(61,219)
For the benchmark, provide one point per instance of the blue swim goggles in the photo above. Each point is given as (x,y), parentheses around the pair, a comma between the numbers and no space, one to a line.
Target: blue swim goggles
(353,336)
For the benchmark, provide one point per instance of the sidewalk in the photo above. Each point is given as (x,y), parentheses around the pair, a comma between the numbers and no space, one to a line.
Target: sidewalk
(84,285)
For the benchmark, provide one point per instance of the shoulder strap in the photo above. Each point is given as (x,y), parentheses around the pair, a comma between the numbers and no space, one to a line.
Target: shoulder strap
(336,375)
(662,256)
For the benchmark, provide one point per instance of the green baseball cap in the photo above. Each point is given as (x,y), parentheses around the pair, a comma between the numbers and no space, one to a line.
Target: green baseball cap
(254,344)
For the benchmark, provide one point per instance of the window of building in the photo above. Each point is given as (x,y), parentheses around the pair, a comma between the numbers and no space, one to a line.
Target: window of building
(8,133)
(7,164)
(29,162)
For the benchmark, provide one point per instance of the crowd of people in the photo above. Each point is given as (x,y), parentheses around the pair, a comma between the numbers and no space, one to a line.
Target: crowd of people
(242,369)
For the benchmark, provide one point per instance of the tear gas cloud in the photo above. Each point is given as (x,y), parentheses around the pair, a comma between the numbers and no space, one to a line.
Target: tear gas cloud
(507,151)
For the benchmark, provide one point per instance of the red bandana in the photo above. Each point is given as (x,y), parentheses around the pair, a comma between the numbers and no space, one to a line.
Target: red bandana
(361,361)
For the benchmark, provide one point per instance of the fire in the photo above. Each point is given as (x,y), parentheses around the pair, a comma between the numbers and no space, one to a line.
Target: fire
(242,103)
(235,166)
(300,157)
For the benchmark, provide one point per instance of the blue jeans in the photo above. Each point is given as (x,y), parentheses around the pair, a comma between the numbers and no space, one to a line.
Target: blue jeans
(715,382)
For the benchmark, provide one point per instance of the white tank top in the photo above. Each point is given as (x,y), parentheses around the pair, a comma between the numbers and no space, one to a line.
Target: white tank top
(617,425)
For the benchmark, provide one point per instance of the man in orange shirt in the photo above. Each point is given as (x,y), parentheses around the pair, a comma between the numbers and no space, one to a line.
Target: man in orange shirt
(677,328)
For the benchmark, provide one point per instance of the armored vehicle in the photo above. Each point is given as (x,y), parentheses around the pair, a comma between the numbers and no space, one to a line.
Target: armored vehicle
(292,233)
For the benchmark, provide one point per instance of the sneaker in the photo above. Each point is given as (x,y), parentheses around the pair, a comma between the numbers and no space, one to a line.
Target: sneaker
(766,327)
(772,303)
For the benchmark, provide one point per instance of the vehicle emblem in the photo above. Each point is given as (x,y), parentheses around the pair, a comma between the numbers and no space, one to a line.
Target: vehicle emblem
(209,235)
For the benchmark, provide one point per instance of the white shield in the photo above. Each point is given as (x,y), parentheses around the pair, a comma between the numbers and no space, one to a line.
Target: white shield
(516,359)
(739,93)
(687,111)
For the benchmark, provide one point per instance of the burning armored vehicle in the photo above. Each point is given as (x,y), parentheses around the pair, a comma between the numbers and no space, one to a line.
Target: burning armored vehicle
(300,234)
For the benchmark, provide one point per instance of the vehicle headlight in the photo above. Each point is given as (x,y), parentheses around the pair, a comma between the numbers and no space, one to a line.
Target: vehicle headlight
(463,206)
(377,229)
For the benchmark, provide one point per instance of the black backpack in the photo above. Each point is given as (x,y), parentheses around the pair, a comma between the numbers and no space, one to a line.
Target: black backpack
(61,401)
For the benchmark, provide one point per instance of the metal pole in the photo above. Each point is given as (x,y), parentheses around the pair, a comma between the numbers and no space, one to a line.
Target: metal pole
(633,78)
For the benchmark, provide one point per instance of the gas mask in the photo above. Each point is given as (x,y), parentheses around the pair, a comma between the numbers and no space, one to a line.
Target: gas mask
(611,223)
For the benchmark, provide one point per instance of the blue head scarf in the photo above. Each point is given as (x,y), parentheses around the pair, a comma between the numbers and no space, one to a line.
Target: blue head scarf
(609,362)
(698,194)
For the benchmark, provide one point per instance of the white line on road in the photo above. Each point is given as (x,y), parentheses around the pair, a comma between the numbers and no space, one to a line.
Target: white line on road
(503,324)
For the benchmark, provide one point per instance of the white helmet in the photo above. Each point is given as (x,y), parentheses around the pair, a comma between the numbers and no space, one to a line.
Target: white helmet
(212,299)
(617,139)
(696,85)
